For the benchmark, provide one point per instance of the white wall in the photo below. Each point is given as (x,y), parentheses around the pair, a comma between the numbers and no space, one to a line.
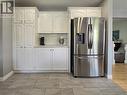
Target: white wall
(1,49)
(121,24)
(120,8)
(7,45)
(107,13)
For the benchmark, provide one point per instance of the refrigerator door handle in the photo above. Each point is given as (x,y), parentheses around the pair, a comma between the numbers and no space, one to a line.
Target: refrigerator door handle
(90,36)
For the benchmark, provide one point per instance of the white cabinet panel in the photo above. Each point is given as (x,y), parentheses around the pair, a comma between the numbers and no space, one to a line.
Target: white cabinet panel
(20,61)
(19,14)
(19,31)
(60,23)
(45,23)
(60,59)
(78,13)
(24,59)
(44,59)
(28,58)
(29,35)
(53,22)
(94,12)
(84,12)
(24,35)
(29,14)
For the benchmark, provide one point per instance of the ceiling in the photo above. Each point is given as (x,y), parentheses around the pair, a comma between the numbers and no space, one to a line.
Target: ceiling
(49,5)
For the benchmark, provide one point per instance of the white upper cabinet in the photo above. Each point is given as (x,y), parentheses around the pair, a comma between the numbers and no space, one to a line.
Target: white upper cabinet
(19,35)
(19,15)
(60,22)
(53,22)
(25,15)
(25,26)
(45,22)
(94,12)
(29,14)
(84,12)
(77,12)
(28,35)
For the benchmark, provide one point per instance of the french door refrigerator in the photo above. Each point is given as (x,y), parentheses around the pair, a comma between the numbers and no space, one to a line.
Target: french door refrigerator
(87,46)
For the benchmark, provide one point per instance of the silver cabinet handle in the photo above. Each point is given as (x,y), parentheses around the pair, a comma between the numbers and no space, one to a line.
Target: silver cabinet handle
(51,49)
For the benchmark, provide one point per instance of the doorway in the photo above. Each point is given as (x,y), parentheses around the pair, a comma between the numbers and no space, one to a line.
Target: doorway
(120,50)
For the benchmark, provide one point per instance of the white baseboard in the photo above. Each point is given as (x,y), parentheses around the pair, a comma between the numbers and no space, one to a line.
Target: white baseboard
(6,76)
(41,71)
(109,76)
(125,61)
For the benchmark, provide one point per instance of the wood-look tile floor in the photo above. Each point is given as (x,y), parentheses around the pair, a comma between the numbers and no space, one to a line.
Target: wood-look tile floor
(120,75)
(58,84)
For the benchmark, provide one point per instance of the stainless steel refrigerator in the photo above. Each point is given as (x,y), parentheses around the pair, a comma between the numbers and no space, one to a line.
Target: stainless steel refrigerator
(87,46)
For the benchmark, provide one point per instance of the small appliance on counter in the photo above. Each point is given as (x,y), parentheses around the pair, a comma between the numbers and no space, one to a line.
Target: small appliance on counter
(42,41)
(61,40)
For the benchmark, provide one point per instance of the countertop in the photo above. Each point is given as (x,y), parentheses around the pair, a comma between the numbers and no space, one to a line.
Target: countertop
(52,46)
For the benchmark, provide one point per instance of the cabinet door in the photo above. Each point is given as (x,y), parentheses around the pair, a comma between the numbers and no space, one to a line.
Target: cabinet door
(28,58)
(94,12)
(45,23)
(60,23)
(19,15)
(29,16)
(44,59)
(28,35)
(81,12)
(24,59)
(19,35)
(60,59)
(20,61)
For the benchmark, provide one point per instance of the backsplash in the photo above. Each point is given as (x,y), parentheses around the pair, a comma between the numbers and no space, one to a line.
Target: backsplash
(53,38)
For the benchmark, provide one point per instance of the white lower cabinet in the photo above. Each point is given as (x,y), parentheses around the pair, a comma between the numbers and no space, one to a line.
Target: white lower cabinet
(24,59)
(51,59)
(60,61)
(41,59)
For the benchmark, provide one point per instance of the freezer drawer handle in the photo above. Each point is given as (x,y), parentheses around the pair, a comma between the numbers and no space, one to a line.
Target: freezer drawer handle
(83,58)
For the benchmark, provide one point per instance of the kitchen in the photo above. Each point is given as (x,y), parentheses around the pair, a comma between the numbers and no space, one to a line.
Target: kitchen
(41,45)
(51,55)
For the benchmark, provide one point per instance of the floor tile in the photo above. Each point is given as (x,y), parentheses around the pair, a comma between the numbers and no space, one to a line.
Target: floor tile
(53,92)
(31,92)
(86,91)
(62,84)
(47,83)
(69,83)
(39,76)
(67,91)
(8,91)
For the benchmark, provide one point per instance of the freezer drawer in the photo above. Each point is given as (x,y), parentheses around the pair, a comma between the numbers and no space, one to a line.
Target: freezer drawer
(88,66)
